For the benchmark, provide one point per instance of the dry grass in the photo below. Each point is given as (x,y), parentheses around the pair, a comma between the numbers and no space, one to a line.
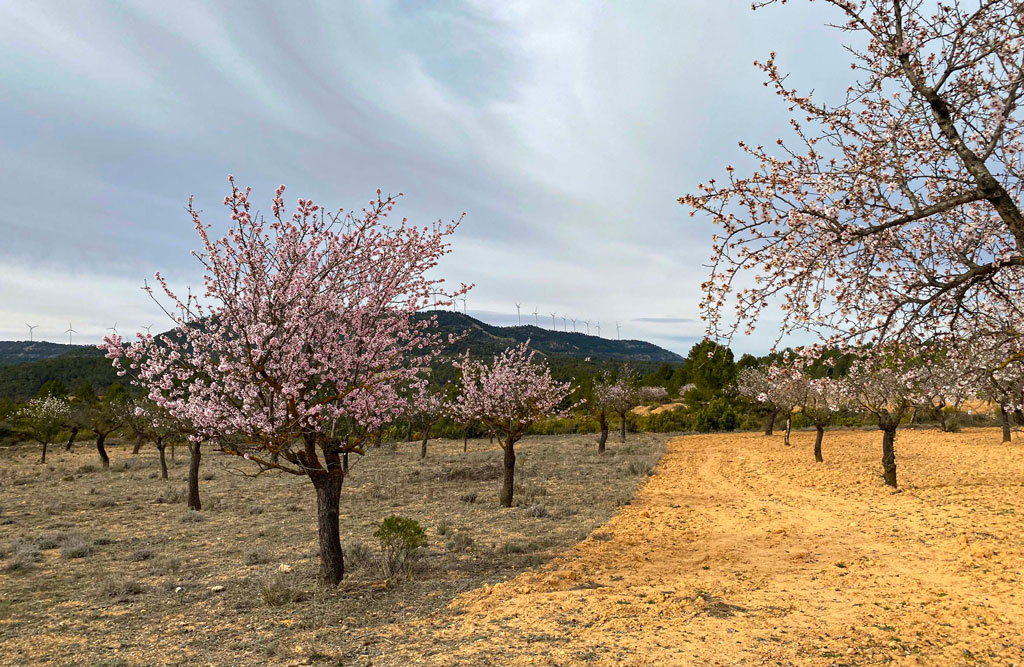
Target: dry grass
(108,567)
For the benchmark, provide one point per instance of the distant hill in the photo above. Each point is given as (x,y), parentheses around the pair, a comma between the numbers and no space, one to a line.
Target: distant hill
(488,339)
(75,364)
(23,351)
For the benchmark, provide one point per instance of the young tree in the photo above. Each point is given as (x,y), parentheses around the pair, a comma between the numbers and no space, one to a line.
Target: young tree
(946,378)
(651,394)
(309,331)
(507,396)
(823,398)
(894,214)
(885,385)
(752,382)
(612,395)
(84,397)
(43,418)
(106,415)
(429,406)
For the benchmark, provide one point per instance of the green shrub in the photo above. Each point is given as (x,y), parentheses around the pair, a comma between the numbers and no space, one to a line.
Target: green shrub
(400,541)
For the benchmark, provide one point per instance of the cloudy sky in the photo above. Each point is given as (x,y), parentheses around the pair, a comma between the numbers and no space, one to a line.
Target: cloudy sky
(565,131)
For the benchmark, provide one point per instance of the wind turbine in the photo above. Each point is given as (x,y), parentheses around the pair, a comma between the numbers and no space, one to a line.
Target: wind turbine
(148,333)
(553,321)
(587,322)
(564,327)
(70,331)
(617,331)
(518,315)
(113,328)
(536,320)
(573,324)
(31,327)
(464,305)
(599,328)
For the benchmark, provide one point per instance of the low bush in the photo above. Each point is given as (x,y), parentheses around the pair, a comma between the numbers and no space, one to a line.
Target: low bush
(400,542)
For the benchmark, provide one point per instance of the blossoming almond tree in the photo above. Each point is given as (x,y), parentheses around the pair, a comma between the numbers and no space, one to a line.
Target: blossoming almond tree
(507,396)
(43,419)
(823,398)
(886,385)
(893,213)
(613,395)
(752,383)
(306,333)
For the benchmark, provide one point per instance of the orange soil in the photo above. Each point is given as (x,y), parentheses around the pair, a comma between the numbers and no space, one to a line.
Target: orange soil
(742,551)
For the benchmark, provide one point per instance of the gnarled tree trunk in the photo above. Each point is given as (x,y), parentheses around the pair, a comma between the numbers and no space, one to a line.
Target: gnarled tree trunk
(104,459)
(160,447)
(195,456)
(1004,420)
(889,454)
(71,438)
(622,426)
(602,418)
(789,427)
(328,502)
(769,422)
(940,417)
(817,442)
(43,460)
(509,478)
(423,443)
(465,439)
(138,444)
(408,433)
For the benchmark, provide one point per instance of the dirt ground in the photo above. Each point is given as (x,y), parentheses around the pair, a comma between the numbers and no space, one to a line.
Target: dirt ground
(107,567)
(740,551)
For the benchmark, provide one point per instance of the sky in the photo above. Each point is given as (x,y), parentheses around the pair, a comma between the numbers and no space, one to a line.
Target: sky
(565,131)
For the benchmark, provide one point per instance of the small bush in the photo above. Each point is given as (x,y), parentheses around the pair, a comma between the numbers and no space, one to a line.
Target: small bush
(55,508)
(280,588)
(192,516)
(140,555)
(538,511)
(101,541)
(121,588)
(516,547)
(459,542)
(357,555)
(208,476)
(75,546)
(400,541)
(24,556)
(172,495)
(443,527)
(105,502)
(255,509)
(256,557)
(468,497)
(48,541)
(82,470)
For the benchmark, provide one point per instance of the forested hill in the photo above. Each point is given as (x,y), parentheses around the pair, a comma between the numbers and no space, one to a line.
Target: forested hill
(23,351)
(483,339)
(75,364)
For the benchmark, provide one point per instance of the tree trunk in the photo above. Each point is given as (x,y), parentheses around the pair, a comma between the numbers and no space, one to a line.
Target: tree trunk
(622,426)
(1004,419)
(789,427)
(71,439)
(817,442)
(408,433)
(889,455)
(769,422)
(138,445)
(509,480)
(160,447)
(465,440)
(378,437)
(193,475)
(344,462)
(43,460)
(423,444)
(602,418)
(328,501)
(940,417)
(104,459)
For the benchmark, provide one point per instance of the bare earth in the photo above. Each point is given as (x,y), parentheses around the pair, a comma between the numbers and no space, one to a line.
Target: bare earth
(740,551)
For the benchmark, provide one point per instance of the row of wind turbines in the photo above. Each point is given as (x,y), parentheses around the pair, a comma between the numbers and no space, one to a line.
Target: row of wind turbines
(537,319)
(71,331)
(565,321)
